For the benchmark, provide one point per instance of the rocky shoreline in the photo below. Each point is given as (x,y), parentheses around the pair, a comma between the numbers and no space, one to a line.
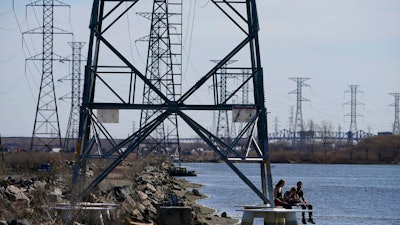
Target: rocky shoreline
(34,200)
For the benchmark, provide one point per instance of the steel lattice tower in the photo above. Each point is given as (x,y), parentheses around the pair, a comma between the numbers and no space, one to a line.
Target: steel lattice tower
(353,107)
(75,96)
(163,71)
(298,121)
(96,139)
(396,123)
(244,97)
(46,129)
(291,119)
(220,96)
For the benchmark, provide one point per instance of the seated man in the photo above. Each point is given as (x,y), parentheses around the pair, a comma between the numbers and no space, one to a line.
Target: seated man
(291,197)
(304,204)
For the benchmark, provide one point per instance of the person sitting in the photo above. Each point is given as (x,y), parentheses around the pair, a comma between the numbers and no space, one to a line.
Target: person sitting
(278,195)
(304,204)
(291,198)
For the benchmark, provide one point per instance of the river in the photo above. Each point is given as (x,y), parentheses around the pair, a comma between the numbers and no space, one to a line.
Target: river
(341,194)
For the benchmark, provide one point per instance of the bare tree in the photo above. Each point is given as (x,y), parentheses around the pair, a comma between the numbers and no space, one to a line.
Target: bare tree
(326,132)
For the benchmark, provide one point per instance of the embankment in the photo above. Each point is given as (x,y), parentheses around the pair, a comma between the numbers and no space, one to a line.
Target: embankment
(27,200)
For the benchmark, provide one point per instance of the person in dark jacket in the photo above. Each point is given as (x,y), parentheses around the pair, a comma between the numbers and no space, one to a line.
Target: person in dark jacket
(304,204)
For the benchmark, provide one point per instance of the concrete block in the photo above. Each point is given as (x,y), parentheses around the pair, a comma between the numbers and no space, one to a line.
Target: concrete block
(177,215)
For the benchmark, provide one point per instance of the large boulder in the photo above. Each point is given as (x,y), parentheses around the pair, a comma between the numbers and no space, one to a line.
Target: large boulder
(13,193)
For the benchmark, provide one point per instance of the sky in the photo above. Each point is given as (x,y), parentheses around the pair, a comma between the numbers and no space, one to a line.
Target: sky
(334,43)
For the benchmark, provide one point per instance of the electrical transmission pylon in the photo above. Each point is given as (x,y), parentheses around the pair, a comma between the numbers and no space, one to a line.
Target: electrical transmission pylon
(396,123)
(96,136)
(71,135)
(242,98)
(353,108)
(164,71)
(220,96)
(276,124)
(298,121)
(46,129)
(291,118)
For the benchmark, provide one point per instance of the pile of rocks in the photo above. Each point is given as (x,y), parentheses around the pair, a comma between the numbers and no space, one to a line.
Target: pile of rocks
(26,201)
(31,201)
(150,189)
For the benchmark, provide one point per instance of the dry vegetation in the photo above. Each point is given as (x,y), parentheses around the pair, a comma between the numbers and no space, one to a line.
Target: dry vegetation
(374,150)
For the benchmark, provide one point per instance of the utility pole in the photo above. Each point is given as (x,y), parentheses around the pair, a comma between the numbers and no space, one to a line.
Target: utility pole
(46,129)
(396,123)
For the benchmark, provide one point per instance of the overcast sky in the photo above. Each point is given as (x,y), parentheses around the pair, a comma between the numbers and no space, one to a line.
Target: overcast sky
(335,43)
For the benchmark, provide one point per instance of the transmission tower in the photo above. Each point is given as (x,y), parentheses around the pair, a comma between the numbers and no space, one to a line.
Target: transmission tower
(220,96)
(298,121)
(276,124)
(244,96)
(164,71)
(245,89)
(46,129)
(96,137)
(76,94)
(396,123)
(291,118)
(353,106)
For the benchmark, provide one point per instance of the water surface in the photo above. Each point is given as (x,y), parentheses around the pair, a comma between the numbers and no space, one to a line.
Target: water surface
(340,194)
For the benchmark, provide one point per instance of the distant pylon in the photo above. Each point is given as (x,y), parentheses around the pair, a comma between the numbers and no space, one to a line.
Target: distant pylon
(276,124)
(298,121)
(396,123)
(291,118)
(353,106)
(221,95)
(75,95)
(164,70)
(245,89)
(242,98)
(46,129)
